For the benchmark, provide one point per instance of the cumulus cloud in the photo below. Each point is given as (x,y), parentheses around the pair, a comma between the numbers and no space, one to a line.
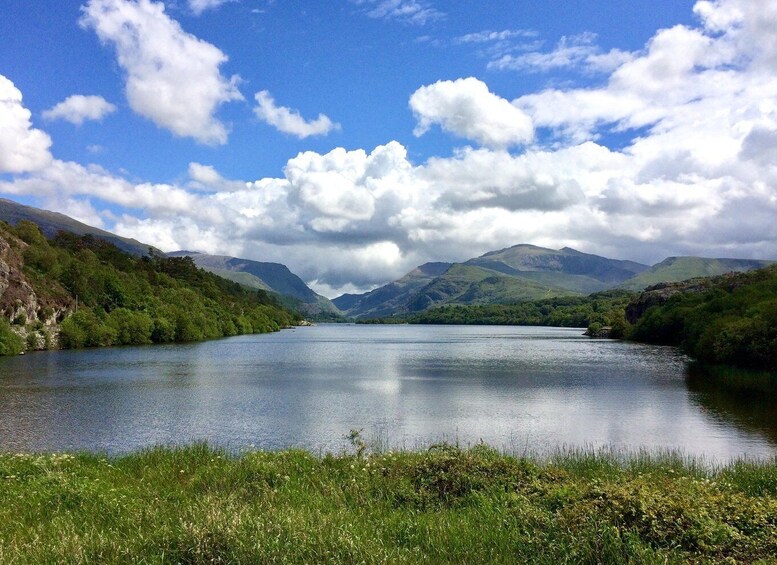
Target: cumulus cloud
(466,108)
(199,6)
(172,77)
(290,121)
(206,177)
(78,108)
(22,147)
(415,12)
(694,173)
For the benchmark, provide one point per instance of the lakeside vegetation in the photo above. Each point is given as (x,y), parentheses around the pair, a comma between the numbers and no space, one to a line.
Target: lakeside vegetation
(108,297)
(730,320)
(197,504)
(604,308)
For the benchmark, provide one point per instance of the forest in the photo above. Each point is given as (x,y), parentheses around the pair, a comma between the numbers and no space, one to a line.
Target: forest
(597,310)
(113,298)
(730,320)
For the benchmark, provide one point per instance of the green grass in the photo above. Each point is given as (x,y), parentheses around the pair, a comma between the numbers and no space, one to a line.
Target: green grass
(198,504)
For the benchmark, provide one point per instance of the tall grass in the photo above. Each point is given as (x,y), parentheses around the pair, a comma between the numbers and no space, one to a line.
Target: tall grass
(199,504)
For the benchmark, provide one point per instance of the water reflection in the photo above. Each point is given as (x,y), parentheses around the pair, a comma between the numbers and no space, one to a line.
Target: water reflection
(748,410)
(534,388)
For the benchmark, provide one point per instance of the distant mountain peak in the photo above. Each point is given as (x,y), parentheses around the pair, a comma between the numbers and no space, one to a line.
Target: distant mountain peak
(520,246)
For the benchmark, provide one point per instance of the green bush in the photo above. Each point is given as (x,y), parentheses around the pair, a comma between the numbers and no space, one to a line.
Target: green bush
(10,342)
(85,329)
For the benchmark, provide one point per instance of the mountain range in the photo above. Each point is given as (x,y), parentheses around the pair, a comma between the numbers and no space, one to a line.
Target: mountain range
(525,272)
(517,273)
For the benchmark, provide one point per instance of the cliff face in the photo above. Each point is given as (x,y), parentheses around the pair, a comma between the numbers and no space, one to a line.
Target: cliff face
(33,316)
(660,294)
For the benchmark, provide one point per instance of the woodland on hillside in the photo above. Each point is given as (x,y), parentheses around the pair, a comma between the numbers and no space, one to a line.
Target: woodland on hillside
(109,297)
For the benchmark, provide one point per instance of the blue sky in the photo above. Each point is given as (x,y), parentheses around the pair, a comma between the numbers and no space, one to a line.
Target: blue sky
(355,139)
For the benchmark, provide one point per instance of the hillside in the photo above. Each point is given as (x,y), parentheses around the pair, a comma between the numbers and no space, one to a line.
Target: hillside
(566,261)
(676,269)
(393,297)
(50,223)
(273,277)
(730,319)
(82,291)
(469,284)
(518,273)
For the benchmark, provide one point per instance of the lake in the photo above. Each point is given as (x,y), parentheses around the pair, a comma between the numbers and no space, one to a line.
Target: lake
(519,388)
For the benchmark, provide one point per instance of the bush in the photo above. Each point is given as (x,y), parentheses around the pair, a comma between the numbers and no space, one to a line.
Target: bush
(10,342)
(132,328)
(85,329)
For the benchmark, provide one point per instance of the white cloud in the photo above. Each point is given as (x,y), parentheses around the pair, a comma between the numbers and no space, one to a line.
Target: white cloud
(172,77)
(695,173)
(22,147)
(465,107)
(205,177)
(415,12)
(493,36)
(78,108)
(199,6)
(290,121)
(577,51)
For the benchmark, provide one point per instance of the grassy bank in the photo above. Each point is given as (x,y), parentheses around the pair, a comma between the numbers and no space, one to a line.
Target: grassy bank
(201,505)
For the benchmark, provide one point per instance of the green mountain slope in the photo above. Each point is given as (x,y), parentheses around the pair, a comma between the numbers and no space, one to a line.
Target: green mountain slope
(566,261)
(52,222)
(390,298)
(469,284)
(676,269)
(274,277)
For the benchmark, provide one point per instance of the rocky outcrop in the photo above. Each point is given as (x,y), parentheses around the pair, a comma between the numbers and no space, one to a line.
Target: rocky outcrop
(660,294)
(35,318)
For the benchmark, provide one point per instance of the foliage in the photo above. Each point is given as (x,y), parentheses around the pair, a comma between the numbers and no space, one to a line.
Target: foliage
(10,342)
(122,299)
(732,322)
(445,505)
(605,308)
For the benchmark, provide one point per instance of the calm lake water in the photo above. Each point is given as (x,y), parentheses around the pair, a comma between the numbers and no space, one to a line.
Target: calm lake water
(525,389)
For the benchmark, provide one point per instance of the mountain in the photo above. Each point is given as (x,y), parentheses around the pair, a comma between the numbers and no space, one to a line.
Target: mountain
(390,298)
(469,284)
(521,272)
(676,269)
(274,277)
(52,222)
(566,268)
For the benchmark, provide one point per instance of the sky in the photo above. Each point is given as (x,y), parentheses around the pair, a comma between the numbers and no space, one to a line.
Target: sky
(355,139)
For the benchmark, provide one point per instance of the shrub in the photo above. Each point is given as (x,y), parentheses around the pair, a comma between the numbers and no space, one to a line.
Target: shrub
(10,342)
